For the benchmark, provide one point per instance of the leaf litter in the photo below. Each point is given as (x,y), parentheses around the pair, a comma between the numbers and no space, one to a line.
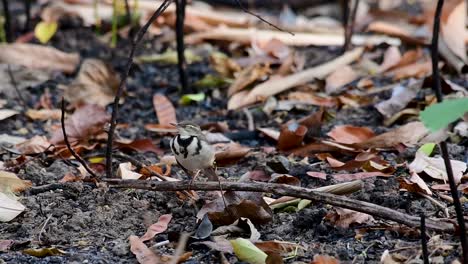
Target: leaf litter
(372,134)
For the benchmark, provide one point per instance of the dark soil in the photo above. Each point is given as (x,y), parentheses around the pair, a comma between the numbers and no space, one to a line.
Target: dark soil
(92,225)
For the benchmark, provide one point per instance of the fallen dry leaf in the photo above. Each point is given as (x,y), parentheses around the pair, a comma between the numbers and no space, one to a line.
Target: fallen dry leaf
(273,47)
(164,109)
(9,183)
(409,57)
(143,254)
(79,126)
(350,134)
(229,153)
(344,217)
(280,84)
(435,167)
(125,172)
(34,145)
(401,96)
(97,83)
(39,57)
(310,98)
(291,136)
(417,70)
(6,113)
(340,77)
(403,30)
(157,228)
(240,204)
(324,259)
(315,174)
(453,25)
(415,184)
(392,57)
(409,134)
(282,248)
(9,207)
(248,76)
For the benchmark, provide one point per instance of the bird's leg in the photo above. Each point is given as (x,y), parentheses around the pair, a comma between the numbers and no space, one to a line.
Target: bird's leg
(212,175)
(193,178)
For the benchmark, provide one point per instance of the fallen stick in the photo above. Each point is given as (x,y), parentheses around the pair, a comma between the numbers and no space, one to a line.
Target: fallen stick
(246,35)
(288,190)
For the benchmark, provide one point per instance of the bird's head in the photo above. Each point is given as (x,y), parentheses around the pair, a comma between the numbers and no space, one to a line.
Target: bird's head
(187,128)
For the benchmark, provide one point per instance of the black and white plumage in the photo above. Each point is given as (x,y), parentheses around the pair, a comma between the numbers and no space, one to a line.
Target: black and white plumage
(191,150)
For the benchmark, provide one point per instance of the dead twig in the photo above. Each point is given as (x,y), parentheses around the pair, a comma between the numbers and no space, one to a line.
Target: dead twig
(7,24)
(287,190)
(27,11)
(15,86)
(115,107)
(261,18)
(425,253)
(181,62)
(65,138)
(443,145)
(349,26)
(180,248)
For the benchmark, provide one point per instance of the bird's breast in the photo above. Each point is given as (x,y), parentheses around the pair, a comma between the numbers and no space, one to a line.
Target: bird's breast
(192,153)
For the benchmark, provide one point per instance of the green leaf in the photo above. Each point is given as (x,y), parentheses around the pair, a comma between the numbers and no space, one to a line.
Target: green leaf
(427,148)
(303,204)
(44,31)
(438,116)
(188,98)
(212,81)
(248,252)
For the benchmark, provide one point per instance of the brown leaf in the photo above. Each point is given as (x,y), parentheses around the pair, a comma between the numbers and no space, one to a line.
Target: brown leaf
(38,57)
(404,31)
(70,177)
(453,26)
(158,128)
(9,182)
(97,83)
(240,204)
(417,70)
(157,228)
(291,136)
(344,217)
(414,184)
(44,114)
(85,122)
(350,134)
(143,254)
(248,76)
(340,77)
(273,47)
(34,145)
(230,153)
(285,179)
(324,259)
(282,248)
(140,145)
(408,134)
(164,110)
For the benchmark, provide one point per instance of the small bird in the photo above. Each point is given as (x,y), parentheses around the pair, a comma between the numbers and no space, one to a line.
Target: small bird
(194,153)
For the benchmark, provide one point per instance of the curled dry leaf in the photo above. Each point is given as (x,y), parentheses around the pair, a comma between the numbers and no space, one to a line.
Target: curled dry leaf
(282,248)
(340,77)
(324,259)
(85,122)
(34,145)
(409,57)
(248,76)
(291,136)
(143,254)
(125,171)
(401,96)
(344,217)
(39,57)
(164,109)
(315,174)
(415,184)
(404,31)
(223,65)
(409,134)
(9,183)
(435,167)
(357,176)
(157,228)
(350,134)
(240,204)
(312,99)
(417,69)
(273,47)
(96,83)
(285,179)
